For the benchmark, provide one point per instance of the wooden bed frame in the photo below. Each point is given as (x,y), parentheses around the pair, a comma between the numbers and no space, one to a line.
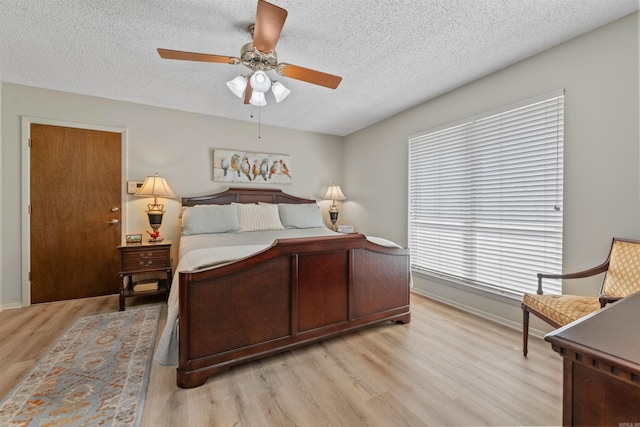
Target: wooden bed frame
(296,292)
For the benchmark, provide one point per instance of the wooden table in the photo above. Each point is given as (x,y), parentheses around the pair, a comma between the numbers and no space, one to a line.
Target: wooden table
(601,354)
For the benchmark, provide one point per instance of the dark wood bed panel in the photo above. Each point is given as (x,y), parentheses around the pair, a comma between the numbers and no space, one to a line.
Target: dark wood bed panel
(296,292)
(245,195)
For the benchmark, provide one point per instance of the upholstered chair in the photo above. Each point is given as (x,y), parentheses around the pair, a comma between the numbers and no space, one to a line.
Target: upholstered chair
(621,278)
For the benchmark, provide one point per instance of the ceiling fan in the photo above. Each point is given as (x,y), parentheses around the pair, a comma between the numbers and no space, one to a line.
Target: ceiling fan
(260,56)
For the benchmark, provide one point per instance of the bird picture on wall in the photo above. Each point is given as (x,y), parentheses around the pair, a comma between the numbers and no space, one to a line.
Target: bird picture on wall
(235,163)
(224,164)
(284,169)
(264,168)
(241,166)
(245,167)
(274,169)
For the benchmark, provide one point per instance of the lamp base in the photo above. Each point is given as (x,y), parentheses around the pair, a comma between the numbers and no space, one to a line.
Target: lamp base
(333,216)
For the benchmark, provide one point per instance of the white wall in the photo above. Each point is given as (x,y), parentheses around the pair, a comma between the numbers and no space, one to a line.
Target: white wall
(175,144)
(1,228)
(599,72)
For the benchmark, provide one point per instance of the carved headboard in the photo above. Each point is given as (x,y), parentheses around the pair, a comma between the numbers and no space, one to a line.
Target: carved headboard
(245,195)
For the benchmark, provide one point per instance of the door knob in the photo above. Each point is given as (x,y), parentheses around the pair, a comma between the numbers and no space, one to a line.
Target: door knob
(116,209)
(113,221)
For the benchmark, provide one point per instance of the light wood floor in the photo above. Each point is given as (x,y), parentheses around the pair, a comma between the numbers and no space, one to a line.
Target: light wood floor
(445,368)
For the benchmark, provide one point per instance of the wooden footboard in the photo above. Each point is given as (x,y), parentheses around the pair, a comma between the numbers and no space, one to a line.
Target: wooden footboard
(296,292)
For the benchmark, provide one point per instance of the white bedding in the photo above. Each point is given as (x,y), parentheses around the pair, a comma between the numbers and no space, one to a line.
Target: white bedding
(210,250)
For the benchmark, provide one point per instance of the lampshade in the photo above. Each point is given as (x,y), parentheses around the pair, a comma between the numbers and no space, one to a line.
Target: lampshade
(155,186)
(237,86)
(260,82)
(280,92)
(258,99)
(334,193)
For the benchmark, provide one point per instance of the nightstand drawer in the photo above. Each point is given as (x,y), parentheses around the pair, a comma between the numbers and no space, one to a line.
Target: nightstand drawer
(141,259)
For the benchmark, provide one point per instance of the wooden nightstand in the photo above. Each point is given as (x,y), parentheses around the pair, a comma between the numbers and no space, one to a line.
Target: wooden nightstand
(144,258)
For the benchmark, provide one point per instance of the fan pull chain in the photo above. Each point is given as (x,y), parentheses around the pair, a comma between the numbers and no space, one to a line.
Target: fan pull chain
(259,120)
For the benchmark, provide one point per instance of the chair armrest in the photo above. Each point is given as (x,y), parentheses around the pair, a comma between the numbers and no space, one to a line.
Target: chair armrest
(578,275)
(606,299)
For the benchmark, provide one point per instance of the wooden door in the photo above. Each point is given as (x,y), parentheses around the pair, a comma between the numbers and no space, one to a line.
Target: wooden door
(75,204)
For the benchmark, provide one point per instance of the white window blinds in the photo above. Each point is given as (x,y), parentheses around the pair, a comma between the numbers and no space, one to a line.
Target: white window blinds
(485,198)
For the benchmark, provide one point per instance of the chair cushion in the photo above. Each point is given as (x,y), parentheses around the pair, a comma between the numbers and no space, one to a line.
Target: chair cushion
(623,275)
(561,309)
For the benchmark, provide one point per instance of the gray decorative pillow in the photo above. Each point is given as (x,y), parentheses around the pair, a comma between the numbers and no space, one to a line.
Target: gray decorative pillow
(209,219)
(305,215)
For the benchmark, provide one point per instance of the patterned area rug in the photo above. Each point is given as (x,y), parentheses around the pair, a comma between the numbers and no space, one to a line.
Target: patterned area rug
(96,374)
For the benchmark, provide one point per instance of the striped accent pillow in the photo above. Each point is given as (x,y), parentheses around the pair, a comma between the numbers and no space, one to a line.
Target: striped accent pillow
(258,217)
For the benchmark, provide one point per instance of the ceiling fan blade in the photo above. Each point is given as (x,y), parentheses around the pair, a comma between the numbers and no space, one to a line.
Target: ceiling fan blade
(192,56)
(269,22)
(309,76)
(248,92)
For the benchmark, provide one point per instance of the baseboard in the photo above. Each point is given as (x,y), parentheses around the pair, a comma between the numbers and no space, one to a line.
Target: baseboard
(480,313)
(10,306)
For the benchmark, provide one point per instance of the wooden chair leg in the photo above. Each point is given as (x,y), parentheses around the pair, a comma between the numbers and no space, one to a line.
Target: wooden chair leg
(525,331)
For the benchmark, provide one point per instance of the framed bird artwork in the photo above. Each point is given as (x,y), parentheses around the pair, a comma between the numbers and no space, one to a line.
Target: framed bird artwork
(249,167)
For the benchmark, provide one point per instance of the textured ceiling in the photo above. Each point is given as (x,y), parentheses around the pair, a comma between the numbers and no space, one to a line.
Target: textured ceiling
(392,54)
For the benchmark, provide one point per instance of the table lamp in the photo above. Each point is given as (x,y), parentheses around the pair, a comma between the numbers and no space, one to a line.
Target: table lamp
(155,186)
(334,193)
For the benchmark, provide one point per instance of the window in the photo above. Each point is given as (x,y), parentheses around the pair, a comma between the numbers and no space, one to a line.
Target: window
(485,198)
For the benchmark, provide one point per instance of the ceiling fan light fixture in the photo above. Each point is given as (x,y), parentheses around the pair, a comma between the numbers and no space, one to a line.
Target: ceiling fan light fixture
(280,92)
(258,99)
(260,57)
(237,86)
(260,82)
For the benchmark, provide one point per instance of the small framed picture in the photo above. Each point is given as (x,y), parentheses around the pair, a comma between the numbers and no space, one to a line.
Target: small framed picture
(134,239)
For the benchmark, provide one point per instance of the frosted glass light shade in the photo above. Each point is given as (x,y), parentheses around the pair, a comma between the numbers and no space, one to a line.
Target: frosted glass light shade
(238,86)
(258,99)
(260,82)
(280,92)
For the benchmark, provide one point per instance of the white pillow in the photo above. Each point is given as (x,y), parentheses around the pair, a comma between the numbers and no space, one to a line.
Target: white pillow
(254,217)
(304,215)
(209,219)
